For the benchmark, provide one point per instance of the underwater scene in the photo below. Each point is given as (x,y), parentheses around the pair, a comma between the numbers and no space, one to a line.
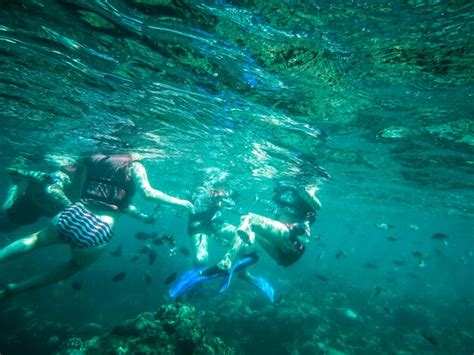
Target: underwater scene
(236,177)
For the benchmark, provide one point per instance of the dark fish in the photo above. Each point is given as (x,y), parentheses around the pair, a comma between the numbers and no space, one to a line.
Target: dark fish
(119,277)
(158,241)
(142,236)
(398,263)
(430,338)
(340,254)
(148,278)
(370,265)
(117,252)
(185,251)
(171,278)
(417,254)
(134,258)
(76,285)
(440,236)
(151,256)
(322,277)
(392,239)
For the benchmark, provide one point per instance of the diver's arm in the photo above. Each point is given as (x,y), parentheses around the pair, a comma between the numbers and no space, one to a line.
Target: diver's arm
(140,177)
(135,213)
(56,193)
(31,175)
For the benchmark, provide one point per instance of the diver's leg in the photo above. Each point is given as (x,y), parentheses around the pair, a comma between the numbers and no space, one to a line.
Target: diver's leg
(80,259)
(270,230)
(243,237)
(224,234)
(271,235)
(45,237)
(200,249)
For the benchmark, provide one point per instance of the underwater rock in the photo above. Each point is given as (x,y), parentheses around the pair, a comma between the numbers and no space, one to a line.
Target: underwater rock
(72,346)
(173,329)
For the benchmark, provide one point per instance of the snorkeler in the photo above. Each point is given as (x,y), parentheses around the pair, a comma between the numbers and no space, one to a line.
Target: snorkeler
(36,194)
(283,238)
(207,222)
(105,186)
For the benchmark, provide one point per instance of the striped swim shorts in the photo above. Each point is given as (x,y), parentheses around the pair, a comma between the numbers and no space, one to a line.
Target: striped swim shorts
(81,228)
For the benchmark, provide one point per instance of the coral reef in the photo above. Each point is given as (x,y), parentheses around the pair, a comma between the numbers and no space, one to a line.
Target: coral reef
(173,329)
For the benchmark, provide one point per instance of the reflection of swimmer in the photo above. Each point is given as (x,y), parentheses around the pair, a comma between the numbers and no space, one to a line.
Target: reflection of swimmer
(207,221)
(105,186)
(284,239)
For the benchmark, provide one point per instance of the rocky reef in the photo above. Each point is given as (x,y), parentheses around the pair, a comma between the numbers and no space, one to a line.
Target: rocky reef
(173,329)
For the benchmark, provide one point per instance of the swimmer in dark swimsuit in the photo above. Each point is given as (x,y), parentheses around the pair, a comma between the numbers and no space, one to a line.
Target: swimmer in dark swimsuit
(283,238)
(207,222)
(104,186)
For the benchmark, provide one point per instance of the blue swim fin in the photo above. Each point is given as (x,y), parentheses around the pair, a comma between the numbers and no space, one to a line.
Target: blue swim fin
(189,280)
(263,285)
(197,276)
(240,264)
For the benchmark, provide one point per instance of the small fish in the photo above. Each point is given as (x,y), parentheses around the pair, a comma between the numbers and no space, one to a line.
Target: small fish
(430,338)
(392,239)
(119,277)
(147,278)
(142,236)
(322,277)
(169,239)
(171,278)
(134,258)
(185,251)
(76,285)
(340,254)
(117,252)
(151,256)
(413,227)
(440,236)
(398,263)
(417,254)
(370,265)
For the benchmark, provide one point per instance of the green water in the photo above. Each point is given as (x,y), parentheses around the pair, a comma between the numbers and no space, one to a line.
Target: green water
(379,95)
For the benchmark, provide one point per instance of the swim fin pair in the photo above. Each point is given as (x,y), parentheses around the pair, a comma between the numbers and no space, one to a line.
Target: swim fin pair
(197,276)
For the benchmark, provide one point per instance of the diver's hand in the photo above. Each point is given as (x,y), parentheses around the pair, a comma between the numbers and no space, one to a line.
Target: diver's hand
(189,206)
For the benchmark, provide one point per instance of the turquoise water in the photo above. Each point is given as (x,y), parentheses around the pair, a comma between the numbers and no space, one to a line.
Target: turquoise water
(379,95)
